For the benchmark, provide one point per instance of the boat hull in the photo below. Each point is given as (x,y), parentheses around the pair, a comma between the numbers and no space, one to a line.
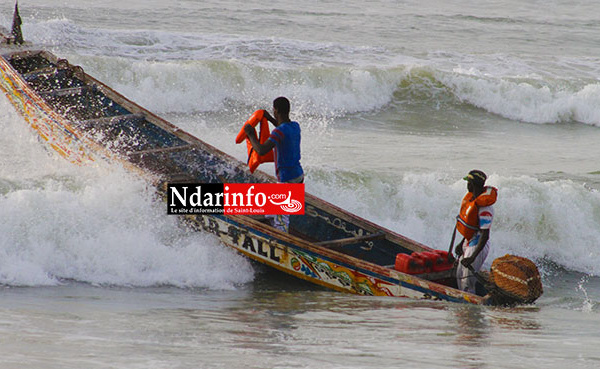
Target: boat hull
(319,267)
(170,154)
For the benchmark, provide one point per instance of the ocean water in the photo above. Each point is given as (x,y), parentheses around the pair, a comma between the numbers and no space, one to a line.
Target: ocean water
(397,100)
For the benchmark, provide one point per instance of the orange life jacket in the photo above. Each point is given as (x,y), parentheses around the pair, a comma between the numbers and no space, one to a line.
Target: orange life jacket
(254,160)
(467,221)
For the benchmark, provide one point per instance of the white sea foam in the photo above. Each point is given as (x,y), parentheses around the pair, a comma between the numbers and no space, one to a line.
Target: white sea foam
(110,231)
(538,102)
(95,224)
(340,90)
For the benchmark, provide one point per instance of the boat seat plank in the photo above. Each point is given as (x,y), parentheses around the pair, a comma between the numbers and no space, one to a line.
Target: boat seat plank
(65,91)
(100,122)
(39,72)
(352,240)
(161,150)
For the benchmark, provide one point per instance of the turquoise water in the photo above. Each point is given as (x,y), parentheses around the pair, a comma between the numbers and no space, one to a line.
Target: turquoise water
(397,101)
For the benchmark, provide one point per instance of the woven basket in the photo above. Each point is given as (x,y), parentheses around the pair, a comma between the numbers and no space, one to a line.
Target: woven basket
(516,277)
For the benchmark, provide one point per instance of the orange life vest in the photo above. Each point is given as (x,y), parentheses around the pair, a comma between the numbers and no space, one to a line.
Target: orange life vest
(467,221)
(254,160)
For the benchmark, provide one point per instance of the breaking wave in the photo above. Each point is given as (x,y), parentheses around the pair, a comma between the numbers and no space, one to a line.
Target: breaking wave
(95,224)
(184,73)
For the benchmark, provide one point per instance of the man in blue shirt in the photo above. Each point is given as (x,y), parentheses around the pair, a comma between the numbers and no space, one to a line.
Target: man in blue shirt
(285,140)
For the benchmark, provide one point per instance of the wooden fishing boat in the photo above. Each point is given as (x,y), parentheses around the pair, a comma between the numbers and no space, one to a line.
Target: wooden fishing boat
(84,121)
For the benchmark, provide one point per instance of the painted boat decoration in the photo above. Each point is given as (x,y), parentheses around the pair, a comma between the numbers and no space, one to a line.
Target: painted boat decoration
(84,120)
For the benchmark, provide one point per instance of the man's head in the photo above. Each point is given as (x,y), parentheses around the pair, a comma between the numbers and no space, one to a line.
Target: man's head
(281,109)
(475,180)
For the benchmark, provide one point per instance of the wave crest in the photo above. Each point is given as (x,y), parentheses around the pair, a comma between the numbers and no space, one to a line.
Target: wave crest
(185,73)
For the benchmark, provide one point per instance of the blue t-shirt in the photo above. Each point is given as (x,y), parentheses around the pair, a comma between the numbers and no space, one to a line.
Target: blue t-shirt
(287,151)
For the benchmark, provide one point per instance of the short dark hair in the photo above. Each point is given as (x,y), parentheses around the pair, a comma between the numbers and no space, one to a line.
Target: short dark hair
(282,104)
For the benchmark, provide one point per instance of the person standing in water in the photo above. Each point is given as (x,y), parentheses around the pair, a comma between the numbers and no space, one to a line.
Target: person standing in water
(474,222)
